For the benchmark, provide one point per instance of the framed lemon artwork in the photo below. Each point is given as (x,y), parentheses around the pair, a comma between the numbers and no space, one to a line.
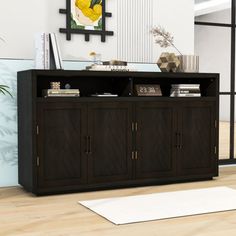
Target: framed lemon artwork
(86,17)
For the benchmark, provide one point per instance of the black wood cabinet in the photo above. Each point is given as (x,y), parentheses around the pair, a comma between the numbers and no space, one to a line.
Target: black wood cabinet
(110,138)
(155,153)
(197,145)
(60,144)
(86,143)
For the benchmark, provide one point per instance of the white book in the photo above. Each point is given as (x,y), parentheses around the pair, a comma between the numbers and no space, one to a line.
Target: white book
(39,51)
(47,51)
(55,53)
(186,95)
(59,52)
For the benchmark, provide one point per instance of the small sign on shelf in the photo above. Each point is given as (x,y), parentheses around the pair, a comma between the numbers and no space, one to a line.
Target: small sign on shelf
(148,90)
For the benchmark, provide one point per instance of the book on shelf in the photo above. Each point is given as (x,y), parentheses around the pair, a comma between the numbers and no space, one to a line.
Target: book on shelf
(185,90)
(47,52)
(61,93)
(186,95)
(104,95)
(120,68)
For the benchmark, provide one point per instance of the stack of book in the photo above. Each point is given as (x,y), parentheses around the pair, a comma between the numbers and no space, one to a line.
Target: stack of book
(185,90)
(121,68)
(61,93)
(47,52)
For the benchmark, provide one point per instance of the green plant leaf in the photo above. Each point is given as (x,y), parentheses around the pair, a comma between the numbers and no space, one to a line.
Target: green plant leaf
(94,2)
(3,89)
(99,27)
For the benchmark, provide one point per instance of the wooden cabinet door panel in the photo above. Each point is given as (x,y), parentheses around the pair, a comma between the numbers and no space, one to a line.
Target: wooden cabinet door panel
(110,131)
(62,128)
(155,140)
(197,153)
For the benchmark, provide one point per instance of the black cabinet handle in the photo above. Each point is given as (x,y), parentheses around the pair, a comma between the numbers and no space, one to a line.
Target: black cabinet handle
(178,144)
(90,145)
(181,141)
(86,143)
(176,140)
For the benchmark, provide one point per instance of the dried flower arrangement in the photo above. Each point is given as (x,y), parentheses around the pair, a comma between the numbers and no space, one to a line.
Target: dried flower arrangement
(163,38)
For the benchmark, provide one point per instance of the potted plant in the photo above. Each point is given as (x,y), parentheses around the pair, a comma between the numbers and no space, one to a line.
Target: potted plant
(4,89)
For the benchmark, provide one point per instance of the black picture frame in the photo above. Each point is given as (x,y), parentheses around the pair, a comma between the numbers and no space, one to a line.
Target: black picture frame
(87,32)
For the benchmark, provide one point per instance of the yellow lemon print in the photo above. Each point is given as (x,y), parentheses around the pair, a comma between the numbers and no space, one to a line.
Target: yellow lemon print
(87,12)
(97,9)
(82,4)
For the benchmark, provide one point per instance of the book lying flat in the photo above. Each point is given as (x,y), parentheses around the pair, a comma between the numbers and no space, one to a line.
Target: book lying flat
(104,95)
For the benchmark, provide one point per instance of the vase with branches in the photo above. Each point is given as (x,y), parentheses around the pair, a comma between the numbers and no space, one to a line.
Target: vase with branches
(164,38)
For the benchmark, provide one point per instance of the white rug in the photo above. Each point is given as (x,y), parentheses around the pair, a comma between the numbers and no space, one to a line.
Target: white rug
(124,210)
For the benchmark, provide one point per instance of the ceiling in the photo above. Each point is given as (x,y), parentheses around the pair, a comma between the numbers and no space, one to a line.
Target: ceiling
(199,1)
(203,7)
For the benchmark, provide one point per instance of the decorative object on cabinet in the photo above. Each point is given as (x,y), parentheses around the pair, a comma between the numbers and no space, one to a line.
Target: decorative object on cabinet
(55,85)
(115,63)
(148,90)
(91,143)
(86,17)
(189,63)
(96,58)
(168,62)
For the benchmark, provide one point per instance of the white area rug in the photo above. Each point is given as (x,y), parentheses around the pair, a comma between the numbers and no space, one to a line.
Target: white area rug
(124,210)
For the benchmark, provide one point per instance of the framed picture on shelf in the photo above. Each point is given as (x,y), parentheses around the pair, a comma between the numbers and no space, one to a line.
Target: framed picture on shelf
(148,90)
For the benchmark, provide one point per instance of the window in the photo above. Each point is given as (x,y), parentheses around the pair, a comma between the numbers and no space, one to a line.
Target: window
(215,44)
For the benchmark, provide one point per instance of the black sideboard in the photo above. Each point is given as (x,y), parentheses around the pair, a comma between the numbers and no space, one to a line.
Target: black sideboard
(69,144)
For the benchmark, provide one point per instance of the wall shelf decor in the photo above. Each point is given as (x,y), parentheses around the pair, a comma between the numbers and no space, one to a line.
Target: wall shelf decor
(86,17)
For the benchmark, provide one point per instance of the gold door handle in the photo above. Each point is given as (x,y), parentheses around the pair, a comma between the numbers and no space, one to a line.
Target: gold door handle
(132,126)
(136,155)
(136,126)
(132,156)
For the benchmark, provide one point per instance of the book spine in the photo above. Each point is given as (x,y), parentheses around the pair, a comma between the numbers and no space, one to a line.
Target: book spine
(58,52)
(55,51)
(47,52)
(39,51)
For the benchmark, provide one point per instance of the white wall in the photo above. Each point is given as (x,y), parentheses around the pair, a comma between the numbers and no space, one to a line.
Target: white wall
(20,20)
(213,45)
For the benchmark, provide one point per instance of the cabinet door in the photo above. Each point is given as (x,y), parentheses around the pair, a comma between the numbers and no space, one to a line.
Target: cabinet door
(196,155)
(155,140)
(61,144)
(110,142)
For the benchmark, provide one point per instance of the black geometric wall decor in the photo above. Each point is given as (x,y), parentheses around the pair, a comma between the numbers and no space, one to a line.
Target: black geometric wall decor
(86,17)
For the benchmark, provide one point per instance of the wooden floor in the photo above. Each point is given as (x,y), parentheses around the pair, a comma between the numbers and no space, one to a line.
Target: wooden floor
(24,214)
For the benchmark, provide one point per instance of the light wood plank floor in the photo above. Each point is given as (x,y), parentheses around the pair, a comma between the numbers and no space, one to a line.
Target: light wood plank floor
(24,214)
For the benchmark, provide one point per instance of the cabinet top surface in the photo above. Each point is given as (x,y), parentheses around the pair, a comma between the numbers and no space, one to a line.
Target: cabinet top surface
(119,74)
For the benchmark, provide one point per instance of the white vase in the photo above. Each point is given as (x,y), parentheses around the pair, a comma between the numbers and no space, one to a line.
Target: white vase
(189,63)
